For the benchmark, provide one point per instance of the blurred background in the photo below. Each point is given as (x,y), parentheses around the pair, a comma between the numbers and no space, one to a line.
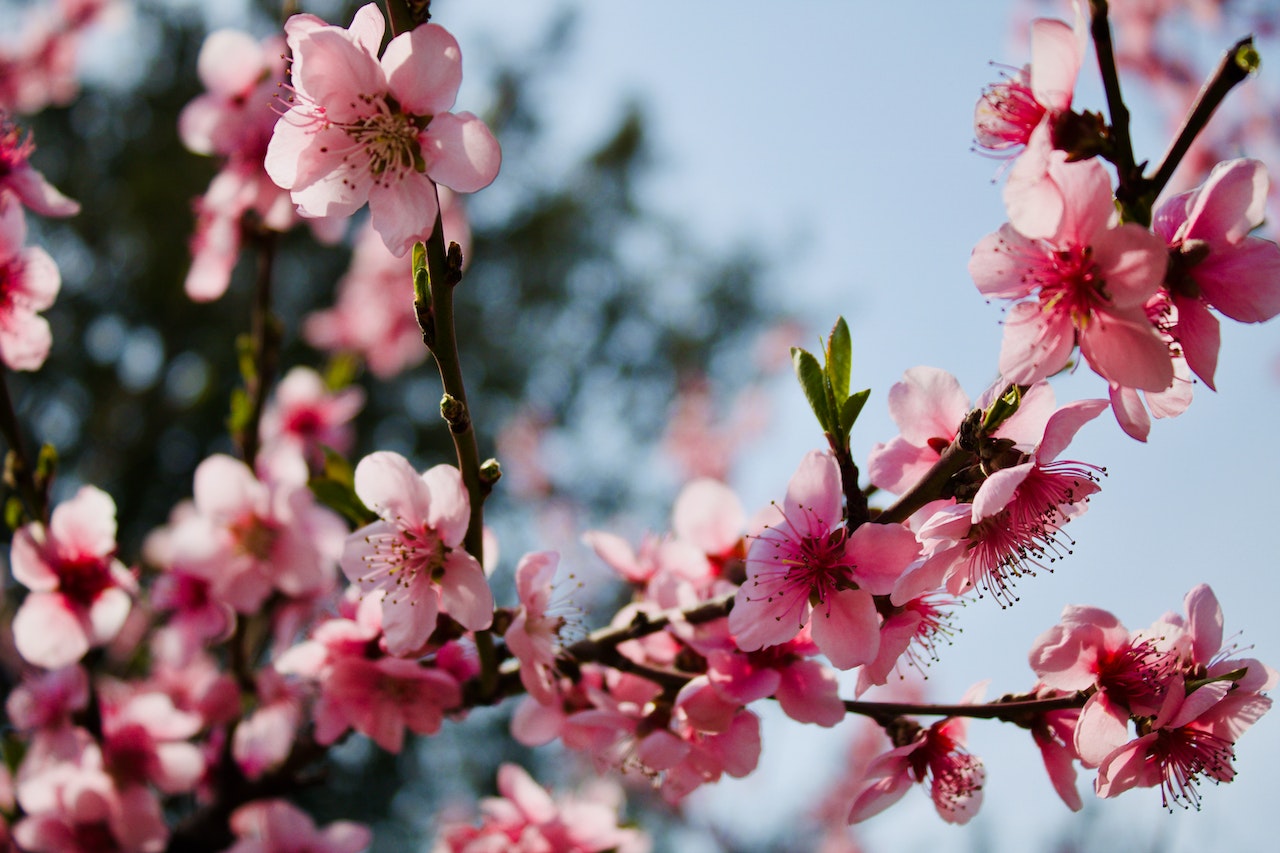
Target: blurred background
(687,190)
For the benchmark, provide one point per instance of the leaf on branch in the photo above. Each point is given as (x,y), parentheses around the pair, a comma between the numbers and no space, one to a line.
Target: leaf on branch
(839,359)
(814,383)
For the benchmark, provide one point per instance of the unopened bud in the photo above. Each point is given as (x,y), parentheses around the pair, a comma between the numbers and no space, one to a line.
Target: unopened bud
(490,472)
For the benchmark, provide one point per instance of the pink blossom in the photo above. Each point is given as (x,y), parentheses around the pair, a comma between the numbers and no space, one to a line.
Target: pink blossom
(534,634)
(525,819)
(145,740)
(1014,519)
(1010,110)
(1215,263)
(80,593)
(412,553)
(29,282)
(937,755)
(363,129)
(276,826)
(928,406)
(381,698)
(233,120)
(1088,282)
(250,536)
(23,182)
(306,415)
(38,68)
(806,564)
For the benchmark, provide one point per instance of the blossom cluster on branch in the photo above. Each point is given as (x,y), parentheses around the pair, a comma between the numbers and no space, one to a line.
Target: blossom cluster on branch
(179,701)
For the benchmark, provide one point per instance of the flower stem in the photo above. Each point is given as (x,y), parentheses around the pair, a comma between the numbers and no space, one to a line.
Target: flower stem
(1129,193)
(1012,710)
(260,373)
(930,487)
(1236,65)
(19,466)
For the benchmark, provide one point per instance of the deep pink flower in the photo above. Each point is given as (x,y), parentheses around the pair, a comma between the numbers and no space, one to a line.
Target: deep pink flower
(1010,110)
(381,698)
(1087,283)
(1215,263)
(937,755)
(29,282)
(277,826)
(361,128)
(413,553)
(80,593)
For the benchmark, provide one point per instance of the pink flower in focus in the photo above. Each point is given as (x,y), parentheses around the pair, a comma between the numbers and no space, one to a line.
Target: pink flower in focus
(362,129)
(277,826)
(1087,283)
(413,554)
(1213,262)
(80,593)
(806,564)
(1010,110)
(25,183)
(29,282)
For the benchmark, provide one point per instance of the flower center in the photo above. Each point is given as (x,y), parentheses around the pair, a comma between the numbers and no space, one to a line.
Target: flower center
(1074,284)
(390,140)
(83,578)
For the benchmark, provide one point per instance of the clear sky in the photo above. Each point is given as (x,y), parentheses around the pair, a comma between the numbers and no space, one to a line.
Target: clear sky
(838,134)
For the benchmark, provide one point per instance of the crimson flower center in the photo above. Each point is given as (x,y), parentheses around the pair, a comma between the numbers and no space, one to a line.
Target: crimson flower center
(83,577)
(1074,283)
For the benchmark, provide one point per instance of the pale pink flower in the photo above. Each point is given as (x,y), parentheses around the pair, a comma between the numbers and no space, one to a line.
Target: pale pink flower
(303,413)
(145,740)
(38,68)
(25,183)
(936,755)
(361,128)
(1213,262)
(413,554)
(80,593)
(234,119)
(534,636)
(47,700)
(264,738)
(277,826)
(29,282)
(250,536)
(1088,283)
(806,564)
(1131,405)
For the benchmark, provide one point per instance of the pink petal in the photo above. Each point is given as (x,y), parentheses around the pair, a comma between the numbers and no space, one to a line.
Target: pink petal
(847,628)
(998,267)
(1200,336)
(1230,204)
(48,632)
(337,74)
(86,524)
(107,615)
(403,210)
(1129,411)
(450,510)
(1036,344)
(39,195)
(1032,199)
(813,495)
(409,616)
(1243,282)
(40,279)
(709,515)
(1085,186)
(1126,349)
(998,489)
(424,69)
(1204,622)
(881,552)
(1056,53)
(461,152)
(809,693)
(879,796)
(1133,262)
(1063,426)
(465,593)
(1102,728)
(230,62)
(390,486)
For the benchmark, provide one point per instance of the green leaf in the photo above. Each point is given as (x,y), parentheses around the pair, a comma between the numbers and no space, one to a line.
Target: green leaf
(335,488)
(851,408)
(341,371)
(13,512)
(46,464)
(809,372)
(241,411)
(839,360)
(245,358)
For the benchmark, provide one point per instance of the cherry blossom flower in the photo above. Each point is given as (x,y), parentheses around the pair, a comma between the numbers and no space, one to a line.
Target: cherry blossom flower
(25,183)
(361,128)
(38,68)
(937,755)
(250,536)
(526,818)
(805,564)
(535,632)
(1087,283)
(412,553)
(80,593)
(29,282)
(234,120)
(1213,262)
(277,826)
(144,740)
(306,415)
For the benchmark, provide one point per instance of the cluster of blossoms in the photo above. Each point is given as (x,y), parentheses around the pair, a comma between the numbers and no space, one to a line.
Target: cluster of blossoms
(256,658)
(1135,299)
